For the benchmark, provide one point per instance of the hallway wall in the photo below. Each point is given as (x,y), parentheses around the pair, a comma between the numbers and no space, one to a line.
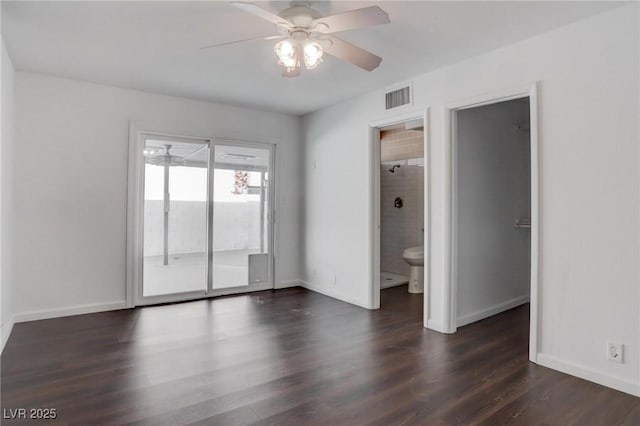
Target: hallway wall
(588,77)
(493,190)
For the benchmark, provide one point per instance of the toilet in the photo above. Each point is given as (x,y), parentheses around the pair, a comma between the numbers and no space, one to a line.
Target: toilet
(414,256)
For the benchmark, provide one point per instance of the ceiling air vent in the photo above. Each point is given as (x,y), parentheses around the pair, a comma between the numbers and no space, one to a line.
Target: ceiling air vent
(397,98)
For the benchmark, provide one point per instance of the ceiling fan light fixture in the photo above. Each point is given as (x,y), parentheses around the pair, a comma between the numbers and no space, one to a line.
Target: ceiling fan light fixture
(312,54)
(288,52)
(290,64)
(285,49)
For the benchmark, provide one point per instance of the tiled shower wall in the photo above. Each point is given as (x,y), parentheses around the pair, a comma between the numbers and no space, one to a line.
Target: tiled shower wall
(400,227)
(401,144)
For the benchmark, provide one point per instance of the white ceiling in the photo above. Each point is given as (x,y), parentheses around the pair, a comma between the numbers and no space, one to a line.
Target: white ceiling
(155,46)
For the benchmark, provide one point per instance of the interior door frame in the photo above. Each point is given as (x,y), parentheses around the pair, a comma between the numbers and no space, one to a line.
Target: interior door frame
(135,218)
(374,212)
(450,304)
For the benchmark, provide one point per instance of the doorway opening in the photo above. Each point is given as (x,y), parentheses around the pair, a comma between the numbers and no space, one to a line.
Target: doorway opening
(399,194)
(494,205)
(201,217)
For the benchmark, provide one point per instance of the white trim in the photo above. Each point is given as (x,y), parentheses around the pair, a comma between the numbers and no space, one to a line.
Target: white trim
(493,97)
(374,209)
(448,305)
(333,294)
(65,312)
(6,332)
(426,310)
(638,121)
(589,374)
(133,216)
(288,284)
(374,217)
(450,290)
(435,326)
(536,230)
(493,310)
(415,114)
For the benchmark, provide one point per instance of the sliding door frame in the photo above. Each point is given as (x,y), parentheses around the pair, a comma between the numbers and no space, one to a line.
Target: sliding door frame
(270,218)
(135,218)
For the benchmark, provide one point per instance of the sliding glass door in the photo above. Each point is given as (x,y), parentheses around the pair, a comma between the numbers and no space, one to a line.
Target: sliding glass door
(206,227)
(240,216)
(175,216)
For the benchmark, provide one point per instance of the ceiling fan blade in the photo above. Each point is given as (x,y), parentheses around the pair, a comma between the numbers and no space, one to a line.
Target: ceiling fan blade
(275,37)
(261,13)
(353,54)
(353,19)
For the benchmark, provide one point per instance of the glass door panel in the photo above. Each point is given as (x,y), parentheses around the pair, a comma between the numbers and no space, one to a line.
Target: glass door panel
(175,217)
(240,216)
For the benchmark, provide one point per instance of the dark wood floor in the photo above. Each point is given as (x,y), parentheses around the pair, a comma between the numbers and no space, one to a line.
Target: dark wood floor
(293,357)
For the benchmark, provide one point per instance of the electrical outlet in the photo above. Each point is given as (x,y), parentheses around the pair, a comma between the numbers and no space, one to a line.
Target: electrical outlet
(615,352)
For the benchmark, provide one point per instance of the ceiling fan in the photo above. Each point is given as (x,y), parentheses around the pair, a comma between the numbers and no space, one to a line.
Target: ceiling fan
(305,35)
(166,159)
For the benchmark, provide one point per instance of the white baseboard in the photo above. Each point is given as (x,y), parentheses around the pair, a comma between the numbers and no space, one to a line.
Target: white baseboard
(65,312)
(589,374)
(436,326)
(334,294)
(288,284)
(6,332)
(493,310)
(103,307)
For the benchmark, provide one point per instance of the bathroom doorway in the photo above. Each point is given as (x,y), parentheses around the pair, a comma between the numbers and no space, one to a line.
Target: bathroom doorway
(400,173)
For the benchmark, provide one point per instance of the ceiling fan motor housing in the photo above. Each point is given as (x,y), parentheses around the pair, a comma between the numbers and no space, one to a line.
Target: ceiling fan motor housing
(300,16)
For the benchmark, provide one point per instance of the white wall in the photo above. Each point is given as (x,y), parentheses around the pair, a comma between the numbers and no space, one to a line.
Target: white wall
(589,187)
(493,189)
(71,185)
(6,190)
